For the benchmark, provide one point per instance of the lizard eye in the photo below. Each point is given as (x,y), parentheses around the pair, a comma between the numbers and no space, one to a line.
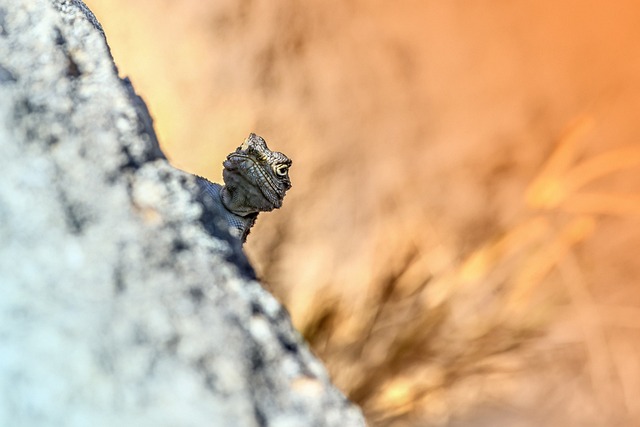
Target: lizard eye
(281,170)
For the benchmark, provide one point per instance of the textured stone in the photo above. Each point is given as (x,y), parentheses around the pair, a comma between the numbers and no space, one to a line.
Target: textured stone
(117,307)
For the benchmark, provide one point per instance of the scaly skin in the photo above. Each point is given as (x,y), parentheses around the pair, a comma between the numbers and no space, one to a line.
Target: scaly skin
(256,180)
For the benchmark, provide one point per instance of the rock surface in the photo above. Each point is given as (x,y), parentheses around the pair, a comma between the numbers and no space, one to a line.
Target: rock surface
(117,307)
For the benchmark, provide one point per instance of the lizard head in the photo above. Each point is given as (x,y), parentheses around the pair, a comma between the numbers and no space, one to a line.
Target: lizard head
(256,178)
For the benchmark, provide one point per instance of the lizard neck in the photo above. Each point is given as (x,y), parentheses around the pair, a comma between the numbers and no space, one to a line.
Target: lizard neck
(235,205)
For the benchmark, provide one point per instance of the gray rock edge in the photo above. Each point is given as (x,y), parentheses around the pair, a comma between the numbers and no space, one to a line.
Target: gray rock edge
(118,307)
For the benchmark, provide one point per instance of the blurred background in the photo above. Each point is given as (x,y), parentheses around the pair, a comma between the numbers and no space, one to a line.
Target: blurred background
(460,242)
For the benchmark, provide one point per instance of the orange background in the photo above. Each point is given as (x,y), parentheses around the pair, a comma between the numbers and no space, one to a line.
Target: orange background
(460,243)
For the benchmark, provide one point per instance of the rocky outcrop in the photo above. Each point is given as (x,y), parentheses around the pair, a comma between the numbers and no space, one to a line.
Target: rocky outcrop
(116,306)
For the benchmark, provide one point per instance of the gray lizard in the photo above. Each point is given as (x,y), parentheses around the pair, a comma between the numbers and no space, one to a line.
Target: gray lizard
(255,180)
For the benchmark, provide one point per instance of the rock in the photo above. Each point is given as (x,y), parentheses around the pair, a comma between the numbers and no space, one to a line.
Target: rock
(116,306)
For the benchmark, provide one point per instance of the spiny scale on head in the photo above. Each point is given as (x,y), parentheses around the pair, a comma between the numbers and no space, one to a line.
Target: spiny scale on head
(256,147)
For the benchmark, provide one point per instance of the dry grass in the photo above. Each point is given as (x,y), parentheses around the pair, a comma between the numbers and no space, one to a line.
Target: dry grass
(430,345)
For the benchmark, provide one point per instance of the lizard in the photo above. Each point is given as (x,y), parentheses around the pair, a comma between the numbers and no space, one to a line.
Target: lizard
(256,180)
